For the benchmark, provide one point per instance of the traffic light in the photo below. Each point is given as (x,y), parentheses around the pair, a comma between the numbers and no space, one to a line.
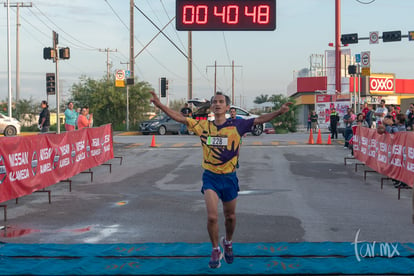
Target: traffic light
(48,53)
(164,87)
(349,39)
(64,53)
(50,83)
(391,36)
(352,69)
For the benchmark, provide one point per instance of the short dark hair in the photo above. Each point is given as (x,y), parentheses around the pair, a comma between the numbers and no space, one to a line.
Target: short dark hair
(225,96)
(382,101)
(401,118)
(233,108)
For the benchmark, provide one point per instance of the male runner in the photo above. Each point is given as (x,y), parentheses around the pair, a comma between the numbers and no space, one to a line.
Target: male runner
(220,141)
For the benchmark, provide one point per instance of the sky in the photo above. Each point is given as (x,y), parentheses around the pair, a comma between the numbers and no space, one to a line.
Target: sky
(265,61)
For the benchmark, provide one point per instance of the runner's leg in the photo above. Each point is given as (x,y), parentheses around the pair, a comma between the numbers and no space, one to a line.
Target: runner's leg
(229,210)
(211,199)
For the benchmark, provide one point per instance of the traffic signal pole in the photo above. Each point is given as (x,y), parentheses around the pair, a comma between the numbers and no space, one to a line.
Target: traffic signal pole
(337,46)
(56,60)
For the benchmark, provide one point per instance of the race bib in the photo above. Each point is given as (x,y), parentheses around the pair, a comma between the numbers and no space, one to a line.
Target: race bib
(217,141)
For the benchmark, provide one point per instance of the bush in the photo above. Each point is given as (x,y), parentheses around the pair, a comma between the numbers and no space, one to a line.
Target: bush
(280,130)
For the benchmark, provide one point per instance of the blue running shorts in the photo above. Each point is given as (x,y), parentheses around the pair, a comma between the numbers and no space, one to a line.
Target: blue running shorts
(226,186)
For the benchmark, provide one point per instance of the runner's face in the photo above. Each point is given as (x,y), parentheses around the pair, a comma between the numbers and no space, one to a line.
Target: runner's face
(219,105)
(233,113)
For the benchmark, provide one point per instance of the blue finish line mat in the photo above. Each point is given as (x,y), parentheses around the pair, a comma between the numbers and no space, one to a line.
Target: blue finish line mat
(192,259)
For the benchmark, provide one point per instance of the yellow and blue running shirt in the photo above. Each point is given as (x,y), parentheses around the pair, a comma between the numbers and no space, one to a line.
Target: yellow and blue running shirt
(221,144)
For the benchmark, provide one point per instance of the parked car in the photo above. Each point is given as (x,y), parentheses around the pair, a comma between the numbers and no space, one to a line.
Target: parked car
(269,129)
(160,124)
(9,126)
(203,113)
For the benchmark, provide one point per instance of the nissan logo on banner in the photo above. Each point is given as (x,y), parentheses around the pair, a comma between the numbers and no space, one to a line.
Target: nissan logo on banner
(382,84)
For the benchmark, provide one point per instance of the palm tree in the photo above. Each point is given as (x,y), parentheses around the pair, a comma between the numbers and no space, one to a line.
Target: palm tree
(261,99)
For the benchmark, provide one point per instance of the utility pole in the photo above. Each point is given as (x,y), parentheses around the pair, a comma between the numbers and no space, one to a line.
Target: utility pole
(232,77)
(190,66)
(107,50)
(127,100)
(131,39)
(17,6)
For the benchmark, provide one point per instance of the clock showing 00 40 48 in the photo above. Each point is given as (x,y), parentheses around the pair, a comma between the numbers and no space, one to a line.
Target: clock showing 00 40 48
(225,15)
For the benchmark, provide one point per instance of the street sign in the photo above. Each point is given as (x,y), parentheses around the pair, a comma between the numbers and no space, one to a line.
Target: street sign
(411,35)
(120,75)
(373,37)
(365,71)
(119,83)
(127,73)
(365,59)
(358,58)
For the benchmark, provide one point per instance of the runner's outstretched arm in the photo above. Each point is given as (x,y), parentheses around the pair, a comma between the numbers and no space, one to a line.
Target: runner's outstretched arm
(175,115)
(270,116)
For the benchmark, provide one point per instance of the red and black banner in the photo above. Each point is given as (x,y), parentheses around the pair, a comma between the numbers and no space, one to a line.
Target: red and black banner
(31,163)
(388,154)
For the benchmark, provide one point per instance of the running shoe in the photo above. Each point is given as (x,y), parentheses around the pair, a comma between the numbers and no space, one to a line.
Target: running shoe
(216,256)
(228,250)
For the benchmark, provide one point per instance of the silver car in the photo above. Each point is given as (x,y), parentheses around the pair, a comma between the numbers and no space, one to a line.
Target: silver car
(9,126)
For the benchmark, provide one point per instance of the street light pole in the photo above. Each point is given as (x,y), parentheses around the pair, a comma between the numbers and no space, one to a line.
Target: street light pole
(9,59)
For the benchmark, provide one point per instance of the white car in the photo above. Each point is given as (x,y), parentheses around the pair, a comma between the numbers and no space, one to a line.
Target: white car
(9,126)
(204,112)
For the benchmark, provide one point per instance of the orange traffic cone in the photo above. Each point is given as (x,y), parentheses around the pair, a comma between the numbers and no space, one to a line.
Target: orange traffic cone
(310,137)
(319,139)
(153,142)
(329,140)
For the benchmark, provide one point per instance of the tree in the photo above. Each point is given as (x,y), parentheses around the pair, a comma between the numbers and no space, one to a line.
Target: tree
(261,99)
(177,104)
(23,110)
(26,111)
(108,103)
(287,121)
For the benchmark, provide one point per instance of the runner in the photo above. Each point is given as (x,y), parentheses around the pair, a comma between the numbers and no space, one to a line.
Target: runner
(220,141)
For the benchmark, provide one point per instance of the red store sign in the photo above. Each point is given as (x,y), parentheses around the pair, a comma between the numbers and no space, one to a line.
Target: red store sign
(382,84)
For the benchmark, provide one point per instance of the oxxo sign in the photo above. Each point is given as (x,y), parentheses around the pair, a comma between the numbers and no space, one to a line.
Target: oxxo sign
(381,83)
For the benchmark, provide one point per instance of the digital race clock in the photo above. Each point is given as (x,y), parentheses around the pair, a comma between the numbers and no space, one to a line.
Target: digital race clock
(225,15)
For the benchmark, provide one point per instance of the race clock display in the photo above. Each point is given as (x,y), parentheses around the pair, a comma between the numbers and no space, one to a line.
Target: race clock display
(225,15)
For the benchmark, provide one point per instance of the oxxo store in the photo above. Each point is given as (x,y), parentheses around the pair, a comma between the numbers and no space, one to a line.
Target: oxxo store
(312,94)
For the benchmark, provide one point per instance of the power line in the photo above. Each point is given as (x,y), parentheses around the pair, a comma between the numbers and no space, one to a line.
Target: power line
(63,31)
(107,50)
(172,42)
(175,31)
(116,14)
(142,44)
(227,49)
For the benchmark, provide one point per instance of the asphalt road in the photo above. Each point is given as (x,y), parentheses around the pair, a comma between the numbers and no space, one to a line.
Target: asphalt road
(290,191)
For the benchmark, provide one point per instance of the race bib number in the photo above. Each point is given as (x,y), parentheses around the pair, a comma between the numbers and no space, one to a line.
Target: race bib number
(217,141)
